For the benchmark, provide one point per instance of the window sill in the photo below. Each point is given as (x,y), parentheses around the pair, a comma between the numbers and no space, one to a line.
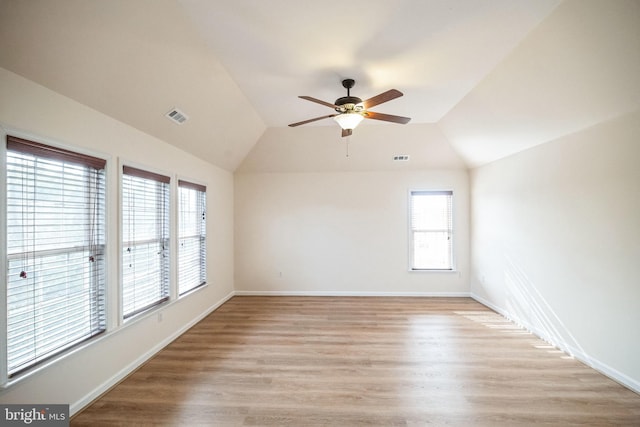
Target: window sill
(420,270)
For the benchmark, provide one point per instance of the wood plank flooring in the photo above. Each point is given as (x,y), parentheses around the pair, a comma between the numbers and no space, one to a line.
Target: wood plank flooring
(360,361)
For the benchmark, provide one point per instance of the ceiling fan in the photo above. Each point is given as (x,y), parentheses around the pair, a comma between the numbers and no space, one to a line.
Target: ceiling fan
(350,110)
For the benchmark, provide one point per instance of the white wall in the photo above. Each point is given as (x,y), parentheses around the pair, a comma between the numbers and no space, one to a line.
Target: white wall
(555,243)
(79,377)
(340,233)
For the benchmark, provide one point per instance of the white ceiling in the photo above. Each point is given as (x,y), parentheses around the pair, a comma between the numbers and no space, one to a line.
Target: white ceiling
(487,77)
(435,51)
(578,68)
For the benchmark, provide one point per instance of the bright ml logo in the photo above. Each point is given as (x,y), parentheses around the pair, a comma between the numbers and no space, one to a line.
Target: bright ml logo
(35,415)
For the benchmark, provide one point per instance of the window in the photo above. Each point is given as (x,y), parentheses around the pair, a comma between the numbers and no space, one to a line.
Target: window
(192,248)
(431,230)
(55,291)
(145,240)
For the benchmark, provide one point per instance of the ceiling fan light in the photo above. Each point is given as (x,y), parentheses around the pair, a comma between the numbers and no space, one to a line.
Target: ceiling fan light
(348,120)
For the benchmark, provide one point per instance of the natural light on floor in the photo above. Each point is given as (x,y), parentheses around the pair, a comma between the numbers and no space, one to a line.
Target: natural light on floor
(497,322)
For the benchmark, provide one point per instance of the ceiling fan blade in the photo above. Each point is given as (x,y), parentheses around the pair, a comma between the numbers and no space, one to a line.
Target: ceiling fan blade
(386,117)
(347,132)
(383,97)
(318,101)
(311,120)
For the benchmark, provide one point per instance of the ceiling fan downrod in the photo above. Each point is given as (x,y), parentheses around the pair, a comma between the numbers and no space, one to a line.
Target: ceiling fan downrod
(347,102)
(348,84)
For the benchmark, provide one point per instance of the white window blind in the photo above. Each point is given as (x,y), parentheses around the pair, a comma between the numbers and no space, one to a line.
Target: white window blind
(431,230)
(145,240)
(55,251)
(192,245)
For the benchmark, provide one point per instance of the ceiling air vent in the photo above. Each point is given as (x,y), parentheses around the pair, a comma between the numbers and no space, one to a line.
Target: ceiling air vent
(177,116)
(401,158)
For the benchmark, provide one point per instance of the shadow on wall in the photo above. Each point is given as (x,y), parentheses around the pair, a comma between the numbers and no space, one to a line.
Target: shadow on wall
(530,309)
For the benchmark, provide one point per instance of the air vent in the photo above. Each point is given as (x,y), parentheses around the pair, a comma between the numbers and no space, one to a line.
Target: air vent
(401,158)
(177,116)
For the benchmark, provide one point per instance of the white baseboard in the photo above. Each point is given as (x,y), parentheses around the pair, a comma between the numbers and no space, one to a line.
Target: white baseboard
(579,354)
(124,372)
(352,294)
(605,369)
(493,307)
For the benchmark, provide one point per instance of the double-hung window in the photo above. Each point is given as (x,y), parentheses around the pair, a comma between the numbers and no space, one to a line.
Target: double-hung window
(192,244)
(145,240)
(431,230)
(55,278)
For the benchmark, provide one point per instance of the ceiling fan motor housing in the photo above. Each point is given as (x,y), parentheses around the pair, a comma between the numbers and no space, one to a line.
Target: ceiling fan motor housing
(347,103)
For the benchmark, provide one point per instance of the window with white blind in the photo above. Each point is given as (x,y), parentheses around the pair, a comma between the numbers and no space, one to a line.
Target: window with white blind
(55,293)
(145,240)
(431,230)
(192,244)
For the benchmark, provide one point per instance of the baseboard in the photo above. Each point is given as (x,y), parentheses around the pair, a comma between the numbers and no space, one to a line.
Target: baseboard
(124,372)
(575,352)
(490,305)
(353,294)
(605,369)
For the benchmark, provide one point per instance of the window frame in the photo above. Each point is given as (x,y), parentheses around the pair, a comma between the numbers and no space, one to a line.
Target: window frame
(193,185)
(451,231)
(145,172)
(55,152)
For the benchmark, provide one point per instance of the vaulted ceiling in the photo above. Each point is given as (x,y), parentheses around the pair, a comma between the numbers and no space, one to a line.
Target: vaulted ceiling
(482,79)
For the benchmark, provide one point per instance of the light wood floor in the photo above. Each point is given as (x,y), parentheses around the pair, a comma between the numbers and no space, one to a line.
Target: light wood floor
(306,361)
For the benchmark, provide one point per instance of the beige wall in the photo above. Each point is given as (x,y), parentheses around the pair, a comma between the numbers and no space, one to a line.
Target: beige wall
(340,233)
(556,243)
(34,111)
